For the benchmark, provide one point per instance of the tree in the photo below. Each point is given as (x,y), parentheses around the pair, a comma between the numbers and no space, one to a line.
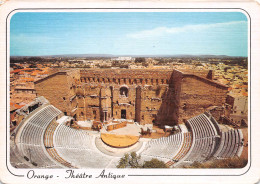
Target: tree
(129,161)
(154,163)
(132,160)
(123,163)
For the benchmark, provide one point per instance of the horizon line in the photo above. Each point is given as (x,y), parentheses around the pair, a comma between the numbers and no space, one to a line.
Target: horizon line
(115,55)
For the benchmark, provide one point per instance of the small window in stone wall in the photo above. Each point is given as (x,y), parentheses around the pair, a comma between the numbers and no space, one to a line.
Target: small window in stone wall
(124,91)
(184,107)
(64,98)
(142,117)
(94,113)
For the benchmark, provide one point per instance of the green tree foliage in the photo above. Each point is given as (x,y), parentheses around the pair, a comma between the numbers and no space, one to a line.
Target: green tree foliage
(129,161)
(154,163)
(132,160)
(124,162)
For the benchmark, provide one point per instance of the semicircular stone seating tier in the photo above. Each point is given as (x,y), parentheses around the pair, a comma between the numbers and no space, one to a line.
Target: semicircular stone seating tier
(29,138)
(51,145)
(231,144)
(204,134)
(78,148)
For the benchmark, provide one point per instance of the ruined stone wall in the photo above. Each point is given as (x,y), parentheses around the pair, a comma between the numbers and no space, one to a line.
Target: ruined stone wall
(124,102)
(56,90)
(59,89)
(110,100)
(197,94)
(147,96)
(169,111)
(126,76)
(109,83)
(152,98)
(116,126)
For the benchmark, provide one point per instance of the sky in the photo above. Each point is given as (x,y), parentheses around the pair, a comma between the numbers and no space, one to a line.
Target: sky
(129,33)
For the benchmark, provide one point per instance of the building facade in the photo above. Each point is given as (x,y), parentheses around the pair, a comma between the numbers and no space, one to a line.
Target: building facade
(165,97)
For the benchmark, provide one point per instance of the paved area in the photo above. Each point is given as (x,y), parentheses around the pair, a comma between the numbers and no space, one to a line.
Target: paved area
(84,123)
(130,129)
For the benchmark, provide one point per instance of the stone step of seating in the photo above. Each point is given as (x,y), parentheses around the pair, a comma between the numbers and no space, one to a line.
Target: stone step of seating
(65,137)
(72,144)
(48,135)
(53,153)
(164,147)
(31,138)
(230,144)
(88,158)
(185,146)
(202,150)
(35,154)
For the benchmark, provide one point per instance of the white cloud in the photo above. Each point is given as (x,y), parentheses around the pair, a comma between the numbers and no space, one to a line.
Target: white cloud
(160,31)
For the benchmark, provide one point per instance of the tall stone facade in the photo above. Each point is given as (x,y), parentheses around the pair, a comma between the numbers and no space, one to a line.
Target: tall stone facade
(164,97)
(60,89)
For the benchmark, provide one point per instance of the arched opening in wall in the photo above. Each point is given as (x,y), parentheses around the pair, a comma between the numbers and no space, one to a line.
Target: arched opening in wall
(95,114)
(123,114)
(75,117)
(81,114)
(105,116)
(124,91)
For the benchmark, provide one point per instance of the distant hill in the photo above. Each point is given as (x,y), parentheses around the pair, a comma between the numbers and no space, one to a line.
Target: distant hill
(113,56)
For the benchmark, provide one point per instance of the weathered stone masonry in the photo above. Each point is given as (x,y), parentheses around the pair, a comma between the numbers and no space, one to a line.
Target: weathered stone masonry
(146,96)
